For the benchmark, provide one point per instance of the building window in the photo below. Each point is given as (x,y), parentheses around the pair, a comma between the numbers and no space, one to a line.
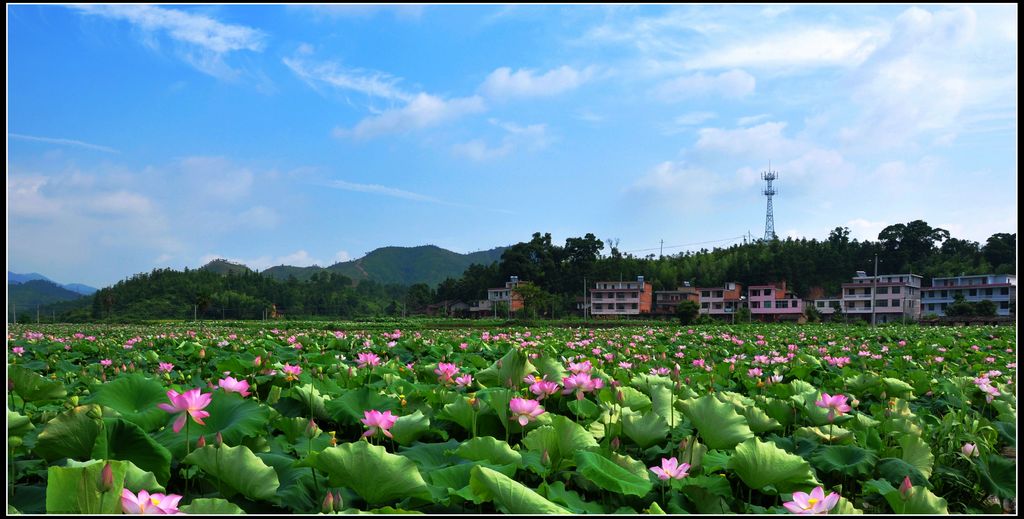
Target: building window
(972,292)
(895,302)
(633,295)
(883,290)
(1004,291)
(755,292)
(634,306)
(988,291)
(1005,305)
(783,304)
(931,306)
(943,307)
(704,305)
(755,304)
(718,293)
(768,292)
(849,291)
(944,294)
(882,302)
(767,304)
(705,293)
(819,304)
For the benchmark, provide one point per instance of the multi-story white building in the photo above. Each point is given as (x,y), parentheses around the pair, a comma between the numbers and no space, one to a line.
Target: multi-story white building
(621,297)
(827,305)
(895,297)
(1001,289)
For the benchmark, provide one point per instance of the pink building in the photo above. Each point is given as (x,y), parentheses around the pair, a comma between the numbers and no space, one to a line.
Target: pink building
(721,301)
(774,302)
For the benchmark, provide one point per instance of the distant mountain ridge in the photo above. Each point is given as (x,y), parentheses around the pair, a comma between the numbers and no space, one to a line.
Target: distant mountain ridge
(34,292)
(14,278)
(428,264)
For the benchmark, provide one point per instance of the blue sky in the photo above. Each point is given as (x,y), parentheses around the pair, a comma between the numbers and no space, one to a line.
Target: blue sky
(164,136)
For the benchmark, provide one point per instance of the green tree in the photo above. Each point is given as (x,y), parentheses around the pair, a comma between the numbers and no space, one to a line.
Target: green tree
(687,312)
(1000,251)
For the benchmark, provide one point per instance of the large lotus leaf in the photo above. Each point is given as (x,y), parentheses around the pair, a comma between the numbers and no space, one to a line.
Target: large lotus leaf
(998,475)
(550,368)
(410,427)
(918,501)
(897,388)
(917,453)
(738,401)
(715,460)
(123,440)
(694,454)
(781,411)
(237,468)
(349,408)
(644,429)
(76,489)
(663,402)
(608,475)
(583,408)
(235,417)
(895,469)
(759,421)
(459,411)
(508,495)
(509,370)
(1005,411)
(845,459)
(562,439)
(456,477)
(717,422)
(862,422)
(296,489)
(305,394)
(861,384)
(558,494)
(845,507)
(135,398)
(33,387)
(767,468)
(1007,432)
(431,456)
(498,398)
(631,398)
(71,434)
(486,448)
(136,479)
(636,467)
(18,424)
(825,434)
(211,506)
(372,472)
(715,484)
(647,383)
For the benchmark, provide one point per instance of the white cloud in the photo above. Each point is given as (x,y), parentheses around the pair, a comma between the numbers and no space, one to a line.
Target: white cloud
(63,142)
(122,203)
(747,121)
(204,41)
(532,137)
(259,217)
(423,111)
(862,229)
(216,177)
(380,190)
(503,83)
(342,256)
(371,83)
(809,47)
(478,150)
(734,83)
(25,198)
(687,189)
(340,11)
(694,118)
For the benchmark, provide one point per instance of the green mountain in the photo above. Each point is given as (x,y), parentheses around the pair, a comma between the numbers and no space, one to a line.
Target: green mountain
(398,265)
(37,292)
(220,266)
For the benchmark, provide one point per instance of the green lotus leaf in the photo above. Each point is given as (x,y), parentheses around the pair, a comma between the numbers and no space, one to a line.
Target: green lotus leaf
(235,417)
(895,469)
(33,387)
(765,467)
(71,434)
(135,398)
(583,408)
(845,507)
(123,440)
(410,427)
(845,459)
(211,506)
(486,448)
(917,453)
(759,421)
(825,434)
(237,468)
(561,440)
(508,495)
(717,422)
(608,475)
(18,424)
(664,402)
(77,488)
(136,479)
(307,392)
(513,367)
(431,456)
(350,406)
(550,368)
(296,489)
(460,411)
(897,388)
(370,471)
(645,429)
(919,500)
(558,494)
(779,410)
(998,475)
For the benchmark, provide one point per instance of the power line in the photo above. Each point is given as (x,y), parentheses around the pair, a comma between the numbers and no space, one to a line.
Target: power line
(686,244)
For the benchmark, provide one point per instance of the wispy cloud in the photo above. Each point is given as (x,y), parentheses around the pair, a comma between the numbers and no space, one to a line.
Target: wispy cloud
(532,137)
(371,83)
(504,83)
(378,189)
(63,142)
(206,41)
(734,83)
(814,46)
(423,111)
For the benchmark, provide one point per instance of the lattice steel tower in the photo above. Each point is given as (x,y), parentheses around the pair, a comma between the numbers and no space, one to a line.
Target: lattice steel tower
(769,191)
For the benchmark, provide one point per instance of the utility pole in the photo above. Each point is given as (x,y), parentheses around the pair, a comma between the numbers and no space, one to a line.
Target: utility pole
(37,314)
(195,309)
(874,283)
(769,191)
(584,298)
(661,251)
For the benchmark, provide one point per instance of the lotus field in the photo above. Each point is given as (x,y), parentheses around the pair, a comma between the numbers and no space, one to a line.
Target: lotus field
(309,418)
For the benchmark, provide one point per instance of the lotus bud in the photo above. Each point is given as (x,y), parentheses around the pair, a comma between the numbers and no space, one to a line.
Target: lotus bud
(616,443)
(107,478)
(201,443)
(328,505)
(545,458)
(905,487)
(220,439)
(687,380)
(256,362)
(339,503)
(970,449)
(202,353)
(311,429)
(683,444)
(620,397)
(854,402)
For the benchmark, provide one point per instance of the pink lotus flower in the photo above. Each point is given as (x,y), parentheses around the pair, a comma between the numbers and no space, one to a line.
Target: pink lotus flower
(815,503)
(581,367)
(191,402)
(754,372)
(445,371)
(543,388)
(525,410)
(581,383)
(671,469)
(165,367)
(292,371)
(375,419)
(231,385)
(464,380)
(970,449)
(834,404)
(106,362)
(18,350)
(146,503)
(370,359)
